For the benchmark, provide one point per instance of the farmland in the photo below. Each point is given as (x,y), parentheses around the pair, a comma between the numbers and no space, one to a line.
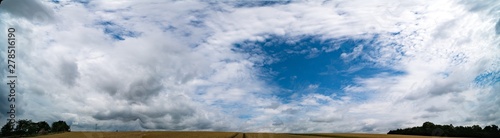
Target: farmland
(198,134)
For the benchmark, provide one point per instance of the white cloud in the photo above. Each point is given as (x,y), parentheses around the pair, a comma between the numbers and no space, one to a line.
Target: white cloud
(354,54)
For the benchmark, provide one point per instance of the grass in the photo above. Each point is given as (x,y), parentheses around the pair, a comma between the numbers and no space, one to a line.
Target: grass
(202,134)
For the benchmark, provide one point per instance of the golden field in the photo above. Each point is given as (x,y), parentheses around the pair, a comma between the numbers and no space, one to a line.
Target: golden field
(198,134)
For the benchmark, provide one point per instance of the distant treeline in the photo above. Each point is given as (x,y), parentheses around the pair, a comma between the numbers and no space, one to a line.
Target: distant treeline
(430,129)
(29,128)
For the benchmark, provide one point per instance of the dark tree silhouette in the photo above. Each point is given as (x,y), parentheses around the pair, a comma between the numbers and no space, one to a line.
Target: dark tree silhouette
(33,128)
(428,125)
(8,129)
(22,127)
(42,125)
(60,126)
(431,129)
(28,128)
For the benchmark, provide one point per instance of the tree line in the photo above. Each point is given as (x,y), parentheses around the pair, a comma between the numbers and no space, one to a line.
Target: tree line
(431,129)
(29,128)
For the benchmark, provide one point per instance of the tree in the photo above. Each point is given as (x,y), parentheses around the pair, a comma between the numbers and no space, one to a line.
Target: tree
(60,126)
(476,128)
(488,128)
(22,127)
(428,125)
(8,128)
(42,125)
(495,127)
(430,129)
(28,128)
(33,128)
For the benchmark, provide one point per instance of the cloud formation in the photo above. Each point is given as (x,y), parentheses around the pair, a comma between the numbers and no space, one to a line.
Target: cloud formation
(173,65)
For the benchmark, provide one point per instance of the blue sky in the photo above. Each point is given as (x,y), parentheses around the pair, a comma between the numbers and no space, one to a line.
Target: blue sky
(117,32)
(291,66)
(310,65)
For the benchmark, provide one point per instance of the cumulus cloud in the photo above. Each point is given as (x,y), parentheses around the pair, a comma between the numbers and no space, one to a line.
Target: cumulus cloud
(151,65)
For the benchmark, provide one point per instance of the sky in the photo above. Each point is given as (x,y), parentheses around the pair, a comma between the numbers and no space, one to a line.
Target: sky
(254,66)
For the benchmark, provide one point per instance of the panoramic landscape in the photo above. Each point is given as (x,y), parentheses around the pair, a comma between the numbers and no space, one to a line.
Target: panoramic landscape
(249,68)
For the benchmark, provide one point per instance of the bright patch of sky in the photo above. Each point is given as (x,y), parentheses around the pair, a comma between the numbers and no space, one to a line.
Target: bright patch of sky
(304,65)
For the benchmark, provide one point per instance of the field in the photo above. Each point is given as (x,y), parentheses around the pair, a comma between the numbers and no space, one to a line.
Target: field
(187,134)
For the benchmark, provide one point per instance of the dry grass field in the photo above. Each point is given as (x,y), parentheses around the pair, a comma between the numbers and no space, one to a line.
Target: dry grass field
(138,134)
(187,134)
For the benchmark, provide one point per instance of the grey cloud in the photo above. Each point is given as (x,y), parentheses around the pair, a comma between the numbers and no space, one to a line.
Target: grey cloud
(441,88)
(107,82)
(457,99)
(32,10)
(277,122)
(456,82)
(435,109)
(368,128)
(490,7)
(153,118)
(258,3)
(118,115)
(109,87)
(425,116)
(3,91)
(497,27)
(291,111)
(484,5)
(297,128)
(112,126)
(324,119)
(273,105)
(177,114)
(487,110)
(203,124)
(180,113)
(68,72)
(143,90)
(3,101)
(444,31)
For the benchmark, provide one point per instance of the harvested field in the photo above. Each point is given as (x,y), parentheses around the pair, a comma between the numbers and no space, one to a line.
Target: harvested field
(138,134)
(202,134)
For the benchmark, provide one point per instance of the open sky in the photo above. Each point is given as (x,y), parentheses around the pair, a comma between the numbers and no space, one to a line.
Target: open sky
(267,66)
